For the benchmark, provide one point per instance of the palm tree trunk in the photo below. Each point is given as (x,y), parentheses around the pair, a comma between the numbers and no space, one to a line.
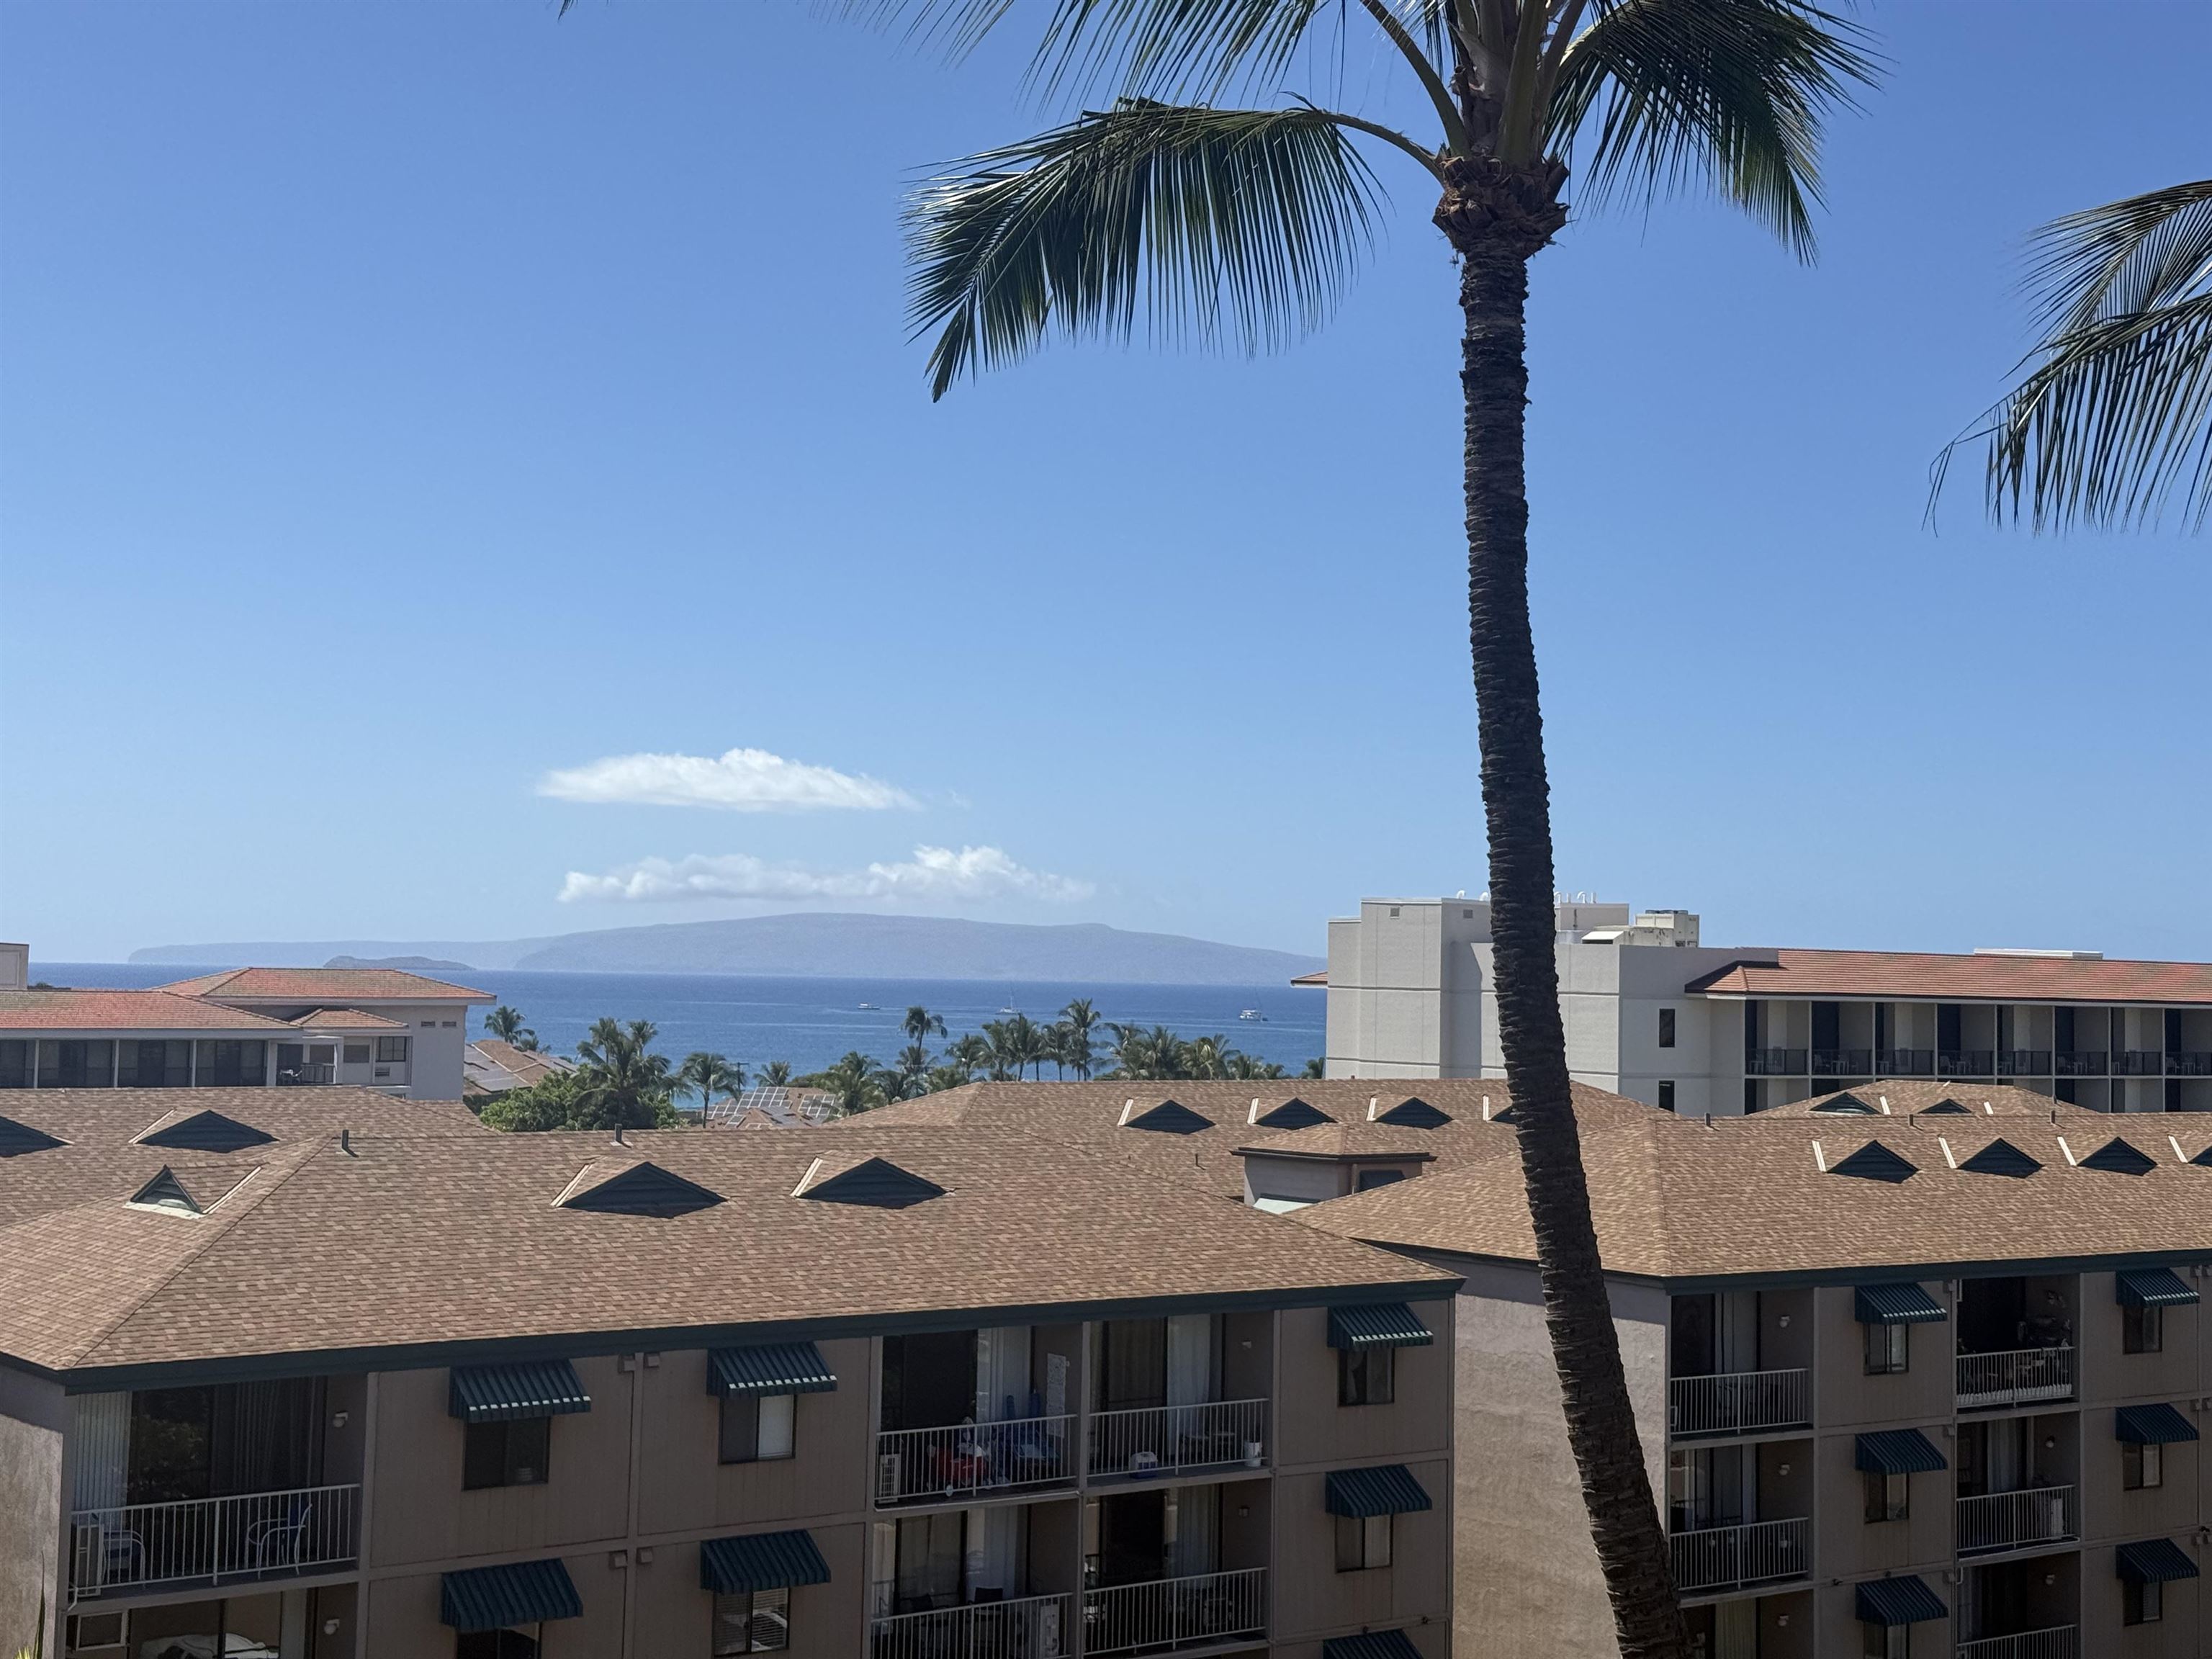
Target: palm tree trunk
(1516,809)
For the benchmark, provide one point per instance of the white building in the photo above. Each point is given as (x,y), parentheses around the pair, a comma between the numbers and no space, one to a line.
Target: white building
(250,1027)
(1653,1013)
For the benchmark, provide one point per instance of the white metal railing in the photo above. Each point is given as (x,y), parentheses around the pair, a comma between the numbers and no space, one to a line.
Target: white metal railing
(1738,1402)
(913,1465)
(1725,1558)
(1176,1613)
(1163,1438)
(2015,1378)
(2056,1643)
(212,1538)
(2009,1520)
(1034,1628)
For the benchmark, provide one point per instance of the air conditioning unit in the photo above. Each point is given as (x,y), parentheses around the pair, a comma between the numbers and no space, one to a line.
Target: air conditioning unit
(888,1472)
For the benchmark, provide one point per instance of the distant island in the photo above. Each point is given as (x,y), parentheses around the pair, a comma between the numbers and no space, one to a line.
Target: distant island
(829,946)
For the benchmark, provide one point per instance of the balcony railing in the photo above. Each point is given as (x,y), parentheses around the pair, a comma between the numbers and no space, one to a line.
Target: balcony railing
(306,1073)
(1167,1613)
(2056,1643)
(1905,1062)
(1162,1439)
(2016,1520)
(1774,1062)
(2082,1062)
(1738,1402)
(1034,1628)
(920,1465)
(2024,1062)
(1842,1062)
(1732,1557)
(2189,1064)
(1965,1062)
(2138,1062)
(212,1540)
(2016,1378)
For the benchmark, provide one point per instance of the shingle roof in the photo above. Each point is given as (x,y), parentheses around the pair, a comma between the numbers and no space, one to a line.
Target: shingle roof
(457,1240)
(337,987)
(1341,1140)
(124,1010)
(1958,978)
(1902,1097)
(1678,1199)
(495,1066)
(347,1019)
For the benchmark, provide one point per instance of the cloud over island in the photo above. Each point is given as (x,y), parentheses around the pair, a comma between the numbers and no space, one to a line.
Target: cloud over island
(933,873)
(737,780)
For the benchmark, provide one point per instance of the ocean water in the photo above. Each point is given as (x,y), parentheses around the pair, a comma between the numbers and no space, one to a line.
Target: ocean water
(811,1022)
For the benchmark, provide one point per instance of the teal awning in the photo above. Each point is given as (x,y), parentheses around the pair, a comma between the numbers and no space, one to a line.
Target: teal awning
(1896,1304)
(2151,1287)
(1899,1451)
(499,1393)
(1906,1601)
(2152,1425)
(2157,1561)
(520,1593)
(774,1368)
(761,1561)
(1376,1324)
(1388,1489)
(1371,1644)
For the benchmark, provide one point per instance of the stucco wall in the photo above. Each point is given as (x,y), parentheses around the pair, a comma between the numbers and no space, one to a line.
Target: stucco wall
(34,1420)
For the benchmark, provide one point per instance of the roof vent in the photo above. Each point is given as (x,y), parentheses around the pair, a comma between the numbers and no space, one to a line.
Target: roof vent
(1846,1104)
(613,1186)
(2000,1158)
(206,1131)
(1292,1114)
(2118,1157)
(1166,1116)
(1948,1108)
(166,1191)
(1875,1162)
(17,1139)
(866,1179)
(1414,1113)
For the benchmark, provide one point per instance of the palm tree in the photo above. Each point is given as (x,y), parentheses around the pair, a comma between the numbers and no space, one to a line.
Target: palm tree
(622,1084)
(1081,1023)
(1001,1051)
(854,1083)
(919,1024)
(1312,1068)
(912,1067)
(970,1054)
(1251,220)
(776,1074)
(2114,417)
(707,1075)
(506,1025)
(1156,1056)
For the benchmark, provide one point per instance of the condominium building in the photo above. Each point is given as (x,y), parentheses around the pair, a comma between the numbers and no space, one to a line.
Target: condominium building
(245,1027)
(926,1391)
(1906,1383)
(1652,1012)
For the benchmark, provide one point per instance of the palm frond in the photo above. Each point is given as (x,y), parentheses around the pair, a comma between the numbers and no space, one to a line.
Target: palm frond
(2114,417)
(1732,94)
(1250,220)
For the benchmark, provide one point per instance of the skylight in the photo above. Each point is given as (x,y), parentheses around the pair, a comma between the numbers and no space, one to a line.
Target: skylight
(2000,1158)
(639,1189)
(1165,1117)
(867,1180)
(2118,1157)
(1875,1162)
(207,1131)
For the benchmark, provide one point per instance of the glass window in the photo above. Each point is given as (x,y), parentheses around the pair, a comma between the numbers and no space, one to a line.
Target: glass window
(507,1454)
(1362,1542)
(756,1428)
(2142,1604)
(155,1064)
(494,1644)
(356,1053)
(72,1063)
(1369,1180)
(1889,1349)
(2142,1330)
(1366,1377)
(15,1063)
(225,1063)
(392,1051)
(1666,1028)
(1887,1496)
(1667,1094)
(2142,1467)
(756,1623)
(1888,1641)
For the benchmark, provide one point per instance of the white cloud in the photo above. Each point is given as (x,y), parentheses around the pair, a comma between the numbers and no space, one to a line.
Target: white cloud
(740,780)
(933,873)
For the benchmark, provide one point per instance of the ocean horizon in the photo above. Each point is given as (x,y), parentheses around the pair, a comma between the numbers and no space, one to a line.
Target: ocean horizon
(810,1022)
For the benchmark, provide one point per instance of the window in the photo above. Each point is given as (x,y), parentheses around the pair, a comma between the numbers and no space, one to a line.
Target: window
(507,1454)
(429,1024)
(1363,1541)
(1366,1377)
(356,1053)
(74,1065)
(15,1063)
(447,1024)
(494,1644)
(1751,1101)
(756,1623)
(2142,1330)
(1888,1641)
(1369,1180)
(226,1063)
(756,1429)
(1887,1496)
(1889,1349)
(392,1051)
(2142,1604)
(1666,1028)
(1667,1094)
(2142,1467)
(1393,912)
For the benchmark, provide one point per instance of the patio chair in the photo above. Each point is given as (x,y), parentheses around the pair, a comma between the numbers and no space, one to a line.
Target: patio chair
(276,1543)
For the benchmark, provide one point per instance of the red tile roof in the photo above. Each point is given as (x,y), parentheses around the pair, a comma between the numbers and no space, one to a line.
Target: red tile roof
(336,987)
(1958,978)
(124,1011)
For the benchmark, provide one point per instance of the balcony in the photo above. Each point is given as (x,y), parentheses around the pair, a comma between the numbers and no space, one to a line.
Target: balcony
(2138,1062)
(1034,1628)
(1965,1062)
(2018,1378)
(1737,1558)
(1178,1439)
(1774,1062)
(932,1466)
(1208,1609)
(1739,1402)
(2056,1643)
(213,1540)
(2189,1064)
(2017,1519)
(2024,1062)
(1842,1062)
(1905,1062)
(2082,1062)
(306,1074)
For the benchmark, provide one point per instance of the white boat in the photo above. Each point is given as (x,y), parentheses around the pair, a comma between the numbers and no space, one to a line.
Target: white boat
(1251,1013)
(868,1005)
(1010,1011)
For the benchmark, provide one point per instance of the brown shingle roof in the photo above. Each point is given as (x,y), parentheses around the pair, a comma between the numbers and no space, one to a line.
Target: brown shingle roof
(124,1010)
(1958,978)
(338,987)
(1905,1096)
(1341,1140)
(347,1019)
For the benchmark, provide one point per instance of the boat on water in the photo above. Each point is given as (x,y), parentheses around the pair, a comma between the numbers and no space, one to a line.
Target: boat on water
(1010,1011)
(868,1006)
(1251,1013)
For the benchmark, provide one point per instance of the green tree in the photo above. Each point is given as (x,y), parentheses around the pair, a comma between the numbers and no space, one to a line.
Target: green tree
(969,1053)
(707,1075)
(1081,1023)
(623,1082)
(506,1025)
(910,1070)
(776,1074)
(1249,221)
(553,1104)
(919,1024)
(1313,1068)
(1155,1056)
(2113,418)
(854,1083)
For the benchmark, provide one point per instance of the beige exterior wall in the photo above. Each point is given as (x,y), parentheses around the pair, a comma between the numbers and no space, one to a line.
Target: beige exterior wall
(1313,1600)
(828,1621)
(1311,1428)
(33,1427)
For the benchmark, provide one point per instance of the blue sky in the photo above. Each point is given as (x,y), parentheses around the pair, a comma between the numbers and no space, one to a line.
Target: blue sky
(400,405)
